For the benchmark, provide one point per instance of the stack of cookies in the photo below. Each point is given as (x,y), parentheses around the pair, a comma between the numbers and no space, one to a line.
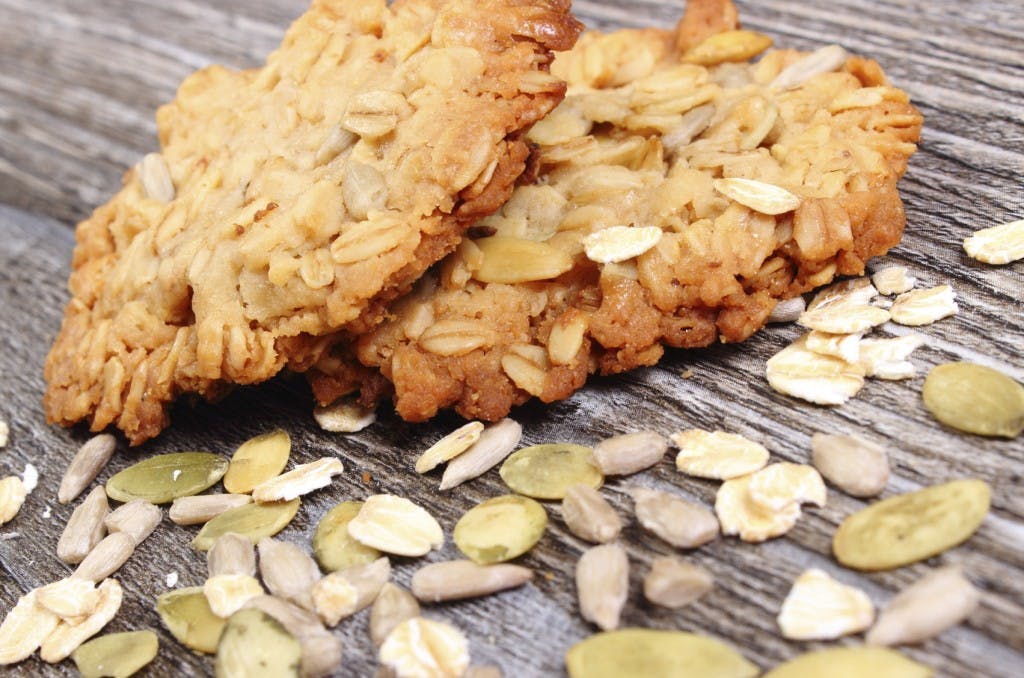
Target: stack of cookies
(459,204)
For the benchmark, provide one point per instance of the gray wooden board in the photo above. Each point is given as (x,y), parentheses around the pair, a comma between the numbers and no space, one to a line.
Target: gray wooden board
(79,82)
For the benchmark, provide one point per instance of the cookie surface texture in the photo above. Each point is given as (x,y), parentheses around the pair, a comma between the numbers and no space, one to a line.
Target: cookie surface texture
(294,200)
(687,182)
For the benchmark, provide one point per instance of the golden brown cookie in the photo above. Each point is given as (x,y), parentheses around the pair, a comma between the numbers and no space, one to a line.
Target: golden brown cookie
(679,191)
(294,200)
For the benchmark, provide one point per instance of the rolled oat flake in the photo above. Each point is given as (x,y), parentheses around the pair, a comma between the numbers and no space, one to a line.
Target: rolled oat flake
(975,399)
(910,527)
(548,471)
(117,655)
(642,653)
(256,644)
(500,529)
(166,477)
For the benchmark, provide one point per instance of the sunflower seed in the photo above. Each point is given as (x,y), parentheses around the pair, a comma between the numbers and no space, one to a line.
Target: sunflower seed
(106,557)
(137,518)
(589,516)
(156,178)
(116,654)
(854,465)
(288,571)
(675,520)
(501,528)
(87,464)
(458,579)
(602,584)
(167,476)
(257,460)
(393,606)
(787,311)
(824,60)
(66,638)
(232,553)
(940,600)
(85,528)
(629,453)
(301,480)
(496,442)
(449,447)
(674,583)
(202,508)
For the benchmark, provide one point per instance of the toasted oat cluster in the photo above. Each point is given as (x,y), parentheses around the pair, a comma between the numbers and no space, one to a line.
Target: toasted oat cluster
(294,200)
(679,191)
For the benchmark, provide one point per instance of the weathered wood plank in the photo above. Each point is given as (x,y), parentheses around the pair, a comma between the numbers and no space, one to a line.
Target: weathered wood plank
(78,86)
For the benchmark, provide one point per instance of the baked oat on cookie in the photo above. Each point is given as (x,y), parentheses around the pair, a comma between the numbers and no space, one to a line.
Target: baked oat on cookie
(680,190)
(294,200)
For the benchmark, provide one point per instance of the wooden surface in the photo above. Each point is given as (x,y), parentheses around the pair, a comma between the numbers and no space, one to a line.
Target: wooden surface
(79,82)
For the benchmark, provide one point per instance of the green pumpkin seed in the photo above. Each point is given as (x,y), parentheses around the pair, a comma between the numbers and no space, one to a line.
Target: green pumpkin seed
(500,529)
(256,644)
(641,653)
(975,399)
(256,460)
(117,655)
(851,662)
(254,521)
(333,547)
(910,527)
(187,615)
(548,471)
(166,477)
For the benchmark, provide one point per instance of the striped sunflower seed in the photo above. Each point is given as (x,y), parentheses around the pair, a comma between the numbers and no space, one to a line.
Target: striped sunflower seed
(629,453)
(674,583)
(495,443)
(288,571)
(187,615)
(257,460)
(393,606)
(137,518)
(254,521)
(90,459)
(116,654)
(232,553)
(333,547)
(602,584)
(203,508)
(589,516)
(85,528)
(500,529)
(396,525)
(66,638)
(253,644)
(675,520)
(458,579)
(449,447)
(165,477)
(548,471)
(301,480)
(25,628)
(106,557)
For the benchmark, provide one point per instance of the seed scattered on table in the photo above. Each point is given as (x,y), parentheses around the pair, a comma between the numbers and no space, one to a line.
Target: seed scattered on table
(232,553)
(90,459)
(85,528)
(548,471)
(106,557)
(137,518)
(257,460)
(717,455)
(288,571)
(187,615)
(393,606)
(458,579)
(500,529)
(333,547)
(589,516)
(602,584)
(940,600)
(165,477)
(495,443)
(854,465)
(975,399)
(820,608)
(202,508)
(675,583)
(116,654)
(629,453)
(254,521)
(255,644)
(450,446)
(680,523)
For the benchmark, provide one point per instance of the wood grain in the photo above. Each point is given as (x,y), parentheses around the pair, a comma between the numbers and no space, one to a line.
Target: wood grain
(79,83)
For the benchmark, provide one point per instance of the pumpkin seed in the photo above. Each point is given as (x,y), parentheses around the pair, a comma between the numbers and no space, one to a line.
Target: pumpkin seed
(118,655)
(850,662)
(256,460)
(638,653)
(500,529)
(548,471)
(975,399)
(256,644)
(187,615)
(333,547)
(254,521)
(910,527)
(166,477)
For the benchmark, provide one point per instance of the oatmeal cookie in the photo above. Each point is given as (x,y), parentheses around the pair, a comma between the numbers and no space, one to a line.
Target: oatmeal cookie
(679,191)
(294,200)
